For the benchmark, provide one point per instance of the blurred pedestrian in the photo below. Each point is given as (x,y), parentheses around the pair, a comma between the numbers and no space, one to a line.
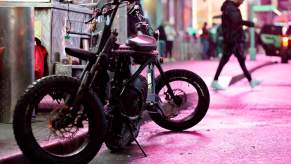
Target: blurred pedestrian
(219,42)
(212,39)
(204,37)
(162,40)
(185,45)
(171,35)
(233,35)
(194,37)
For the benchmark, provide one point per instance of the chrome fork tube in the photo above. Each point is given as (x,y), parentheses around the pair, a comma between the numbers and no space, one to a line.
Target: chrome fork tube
(151,98)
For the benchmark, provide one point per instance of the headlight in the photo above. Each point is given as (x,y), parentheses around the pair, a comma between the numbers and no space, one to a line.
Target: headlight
(285,40)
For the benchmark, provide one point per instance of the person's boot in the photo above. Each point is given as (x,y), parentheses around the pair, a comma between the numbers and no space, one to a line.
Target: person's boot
(216,86)
(254,83)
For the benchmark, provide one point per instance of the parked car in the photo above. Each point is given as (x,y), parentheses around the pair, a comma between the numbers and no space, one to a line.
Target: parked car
(275,39)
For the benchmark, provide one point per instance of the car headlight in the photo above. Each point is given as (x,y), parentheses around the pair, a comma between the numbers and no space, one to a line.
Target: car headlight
(285,40)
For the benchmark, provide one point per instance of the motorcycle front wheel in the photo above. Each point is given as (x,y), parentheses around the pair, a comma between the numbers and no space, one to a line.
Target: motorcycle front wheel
(46,130)
(193,100)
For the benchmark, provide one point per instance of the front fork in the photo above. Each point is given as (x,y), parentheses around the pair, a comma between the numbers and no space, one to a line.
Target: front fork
(152,98)
(92,72)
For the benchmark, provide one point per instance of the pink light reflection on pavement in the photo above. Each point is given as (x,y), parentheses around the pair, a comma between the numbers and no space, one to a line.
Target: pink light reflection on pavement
(243,125)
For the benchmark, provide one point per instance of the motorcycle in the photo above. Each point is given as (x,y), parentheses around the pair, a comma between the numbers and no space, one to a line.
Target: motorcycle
(61,119)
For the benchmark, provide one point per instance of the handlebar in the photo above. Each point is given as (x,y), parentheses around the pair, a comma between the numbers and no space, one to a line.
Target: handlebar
(136,10)
(98,12)
(103,11)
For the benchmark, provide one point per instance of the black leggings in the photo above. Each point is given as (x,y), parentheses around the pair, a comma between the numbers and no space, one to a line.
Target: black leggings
(169,49)
(238,51)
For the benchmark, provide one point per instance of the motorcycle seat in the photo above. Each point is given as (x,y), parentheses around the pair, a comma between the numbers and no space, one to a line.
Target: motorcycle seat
(143,43)
(81,54)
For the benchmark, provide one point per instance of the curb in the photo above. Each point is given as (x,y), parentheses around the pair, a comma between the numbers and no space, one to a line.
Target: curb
(20,158)
(239,77)
(15,159)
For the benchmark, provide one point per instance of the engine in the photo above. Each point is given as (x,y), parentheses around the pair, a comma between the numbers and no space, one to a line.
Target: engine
(130,104)
(133,97)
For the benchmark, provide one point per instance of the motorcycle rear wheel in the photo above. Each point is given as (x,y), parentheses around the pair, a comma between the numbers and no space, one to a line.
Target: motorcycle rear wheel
(36,118)
(193,94)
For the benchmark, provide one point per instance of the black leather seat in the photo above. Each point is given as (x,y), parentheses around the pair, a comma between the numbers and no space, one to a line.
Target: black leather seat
(80,53)
(143,43)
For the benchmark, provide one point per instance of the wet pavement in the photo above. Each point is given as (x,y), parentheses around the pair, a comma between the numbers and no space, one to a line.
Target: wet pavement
(243,125)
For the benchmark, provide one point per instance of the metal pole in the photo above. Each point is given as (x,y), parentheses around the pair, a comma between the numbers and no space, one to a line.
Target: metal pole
(209,12)
(252,49)
(142,3)
(159,12)
(275,3)
(194,14)
(17,41)
(289,10)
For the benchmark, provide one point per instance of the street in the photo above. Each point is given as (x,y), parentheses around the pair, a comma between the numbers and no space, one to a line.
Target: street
(67,81)
(243,125)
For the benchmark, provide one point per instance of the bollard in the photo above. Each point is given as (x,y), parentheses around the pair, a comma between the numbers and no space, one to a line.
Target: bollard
(16,58)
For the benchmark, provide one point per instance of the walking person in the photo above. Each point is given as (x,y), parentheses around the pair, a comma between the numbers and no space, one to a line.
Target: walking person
(171,36)
(162,40)
(204,37)
(212,40)
(233,42)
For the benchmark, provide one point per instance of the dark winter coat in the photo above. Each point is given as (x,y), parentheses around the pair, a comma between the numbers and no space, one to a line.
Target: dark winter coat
(232,23)
(162,32)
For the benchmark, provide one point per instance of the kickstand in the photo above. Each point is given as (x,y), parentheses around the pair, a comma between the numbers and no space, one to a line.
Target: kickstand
(131,132)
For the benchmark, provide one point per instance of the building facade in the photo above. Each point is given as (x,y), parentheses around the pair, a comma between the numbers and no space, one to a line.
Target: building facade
(185,14)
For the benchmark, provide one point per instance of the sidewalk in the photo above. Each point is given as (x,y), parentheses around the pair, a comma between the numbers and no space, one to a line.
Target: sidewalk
(10,153)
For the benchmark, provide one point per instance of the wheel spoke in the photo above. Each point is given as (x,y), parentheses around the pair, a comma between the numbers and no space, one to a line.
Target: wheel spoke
(185,92)
(49,108)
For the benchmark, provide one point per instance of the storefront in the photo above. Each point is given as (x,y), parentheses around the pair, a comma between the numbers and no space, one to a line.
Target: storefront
(209,11)
(170,11)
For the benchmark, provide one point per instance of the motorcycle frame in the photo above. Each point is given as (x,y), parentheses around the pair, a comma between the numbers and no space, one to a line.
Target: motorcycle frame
(107,42)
